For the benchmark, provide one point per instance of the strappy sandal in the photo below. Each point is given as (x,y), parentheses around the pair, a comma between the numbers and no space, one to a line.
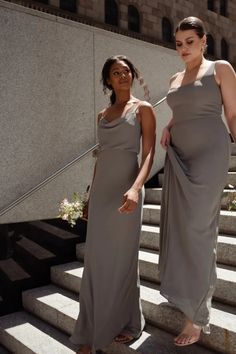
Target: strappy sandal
(185,338)
(81,351)
(124,338)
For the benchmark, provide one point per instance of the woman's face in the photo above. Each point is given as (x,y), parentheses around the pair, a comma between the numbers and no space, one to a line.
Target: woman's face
(120,77)
(189,46)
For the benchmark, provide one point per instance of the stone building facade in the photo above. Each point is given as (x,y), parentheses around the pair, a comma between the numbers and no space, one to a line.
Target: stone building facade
(154,20)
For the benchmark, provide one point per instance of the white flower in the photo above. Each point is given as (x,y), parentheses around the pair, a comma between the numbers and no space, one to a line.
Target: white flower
(71,211)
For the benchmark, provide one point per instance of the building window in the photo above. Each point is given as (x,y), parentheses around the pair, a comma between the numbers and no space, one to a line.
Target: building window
(211,5)
(43,1)
(167,33)
(223,7)
(111,12)
(68,5)
(224,49)
(133,19)
(210,45)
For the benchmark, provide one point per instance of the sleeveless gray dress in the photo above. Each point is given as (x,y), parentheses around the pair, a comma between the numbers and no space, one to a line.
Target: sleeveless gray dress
(110,294)
(195,174)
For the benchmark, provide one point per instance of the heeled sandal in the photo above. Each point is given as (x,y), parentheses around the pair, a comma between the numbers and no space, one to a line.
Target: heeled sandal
(124,338)
(81,351)
(185,338)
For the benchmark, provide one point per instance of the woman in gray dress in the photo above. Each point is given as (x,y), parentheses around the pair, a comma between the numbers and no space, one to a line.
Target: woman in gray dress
(196,166)
(109,297)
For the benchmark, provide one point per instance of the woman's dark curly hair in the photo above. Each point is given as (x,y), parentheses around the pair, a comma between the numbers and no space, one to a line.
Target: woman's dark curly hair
(106,73)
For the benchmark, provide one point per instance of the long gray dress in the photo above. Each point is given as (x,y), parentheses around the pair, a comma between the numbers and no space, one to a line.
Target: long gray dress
(195,174)
(109,296)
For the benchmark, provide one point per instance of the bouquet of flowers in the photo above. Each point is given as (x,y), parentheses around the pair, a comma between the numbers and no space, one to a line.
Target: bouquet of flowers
(71,211)
(230,198)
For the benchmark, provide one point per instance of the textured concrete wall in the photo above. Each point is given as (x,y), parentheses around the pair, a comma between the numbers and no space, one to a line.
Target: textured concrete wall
(50,95)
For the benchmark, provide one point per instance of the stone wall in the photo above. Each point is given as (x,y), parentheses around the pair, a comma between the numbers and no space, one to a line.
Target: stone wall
(50,96)
(152,12)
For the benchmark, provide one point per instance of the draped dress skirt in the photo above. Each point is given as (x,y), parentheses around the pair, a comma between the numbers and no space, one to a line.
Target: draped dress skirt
(195,174)
(110,293)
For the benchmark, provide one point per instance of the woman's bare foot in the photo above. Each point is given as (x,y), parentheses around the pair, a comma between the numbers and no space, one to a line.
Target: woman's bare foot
(85,349)
(189,335)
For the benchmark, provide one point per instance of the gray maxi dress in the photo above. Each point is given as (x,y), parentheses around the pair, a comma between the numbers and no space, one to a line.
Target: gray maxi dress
(110,294)
(195,174)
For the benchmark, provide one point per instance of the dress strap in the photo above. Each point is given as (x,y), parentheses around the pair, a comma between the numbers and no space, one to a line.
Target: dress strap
(212,68)
(135,107)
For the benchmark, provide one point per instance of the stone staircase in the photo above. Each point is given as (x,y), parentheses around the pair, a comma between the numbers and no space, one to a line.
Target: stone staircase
(50,311)
(36,247)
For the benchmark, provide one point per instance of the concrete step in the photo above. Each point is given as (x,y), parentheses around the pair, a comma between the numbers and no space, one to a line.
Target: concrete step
(12,271)
(231,179)
(148,269)
(55,239)
(228,196)
(233,149)
(226,246)
(32,249)
(153,196)
(226,276)
(232,164)
(13,279)
(36,258)
(158,341)
(22,333)
(161,314)
(227,223)
(60,308)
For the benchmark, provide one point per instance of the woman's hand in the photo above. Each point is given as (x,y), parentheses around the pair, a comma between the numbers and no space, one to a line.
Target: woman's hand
(165,138)
(130,201)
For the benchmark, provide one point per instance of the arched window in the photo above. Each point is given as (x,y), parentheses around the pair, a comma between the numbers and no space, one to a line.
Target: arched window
(133,19)
(223,7)
(211,5)
(210,45)
(68,5)
(224,49)
(167,33)
(111,12)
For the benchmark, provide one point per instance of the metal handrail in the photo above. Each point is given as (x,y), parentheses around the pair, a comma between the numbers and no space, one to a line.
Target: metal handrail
(159,102)
(55,174)
(46,181)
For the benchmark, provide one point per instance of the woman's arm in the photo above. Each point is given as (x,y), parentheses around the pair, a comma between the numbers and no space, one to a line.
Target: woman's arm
(165,136)
(148,125)
(226,77)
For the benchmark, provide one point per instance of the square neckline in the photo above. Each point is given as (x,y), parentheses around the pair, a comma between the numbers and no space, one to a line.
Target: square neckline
(197,79)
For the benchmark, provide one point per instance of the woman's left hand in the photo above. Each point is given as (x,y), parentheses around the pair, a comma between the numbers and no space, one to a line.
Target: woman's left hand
(130,201)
